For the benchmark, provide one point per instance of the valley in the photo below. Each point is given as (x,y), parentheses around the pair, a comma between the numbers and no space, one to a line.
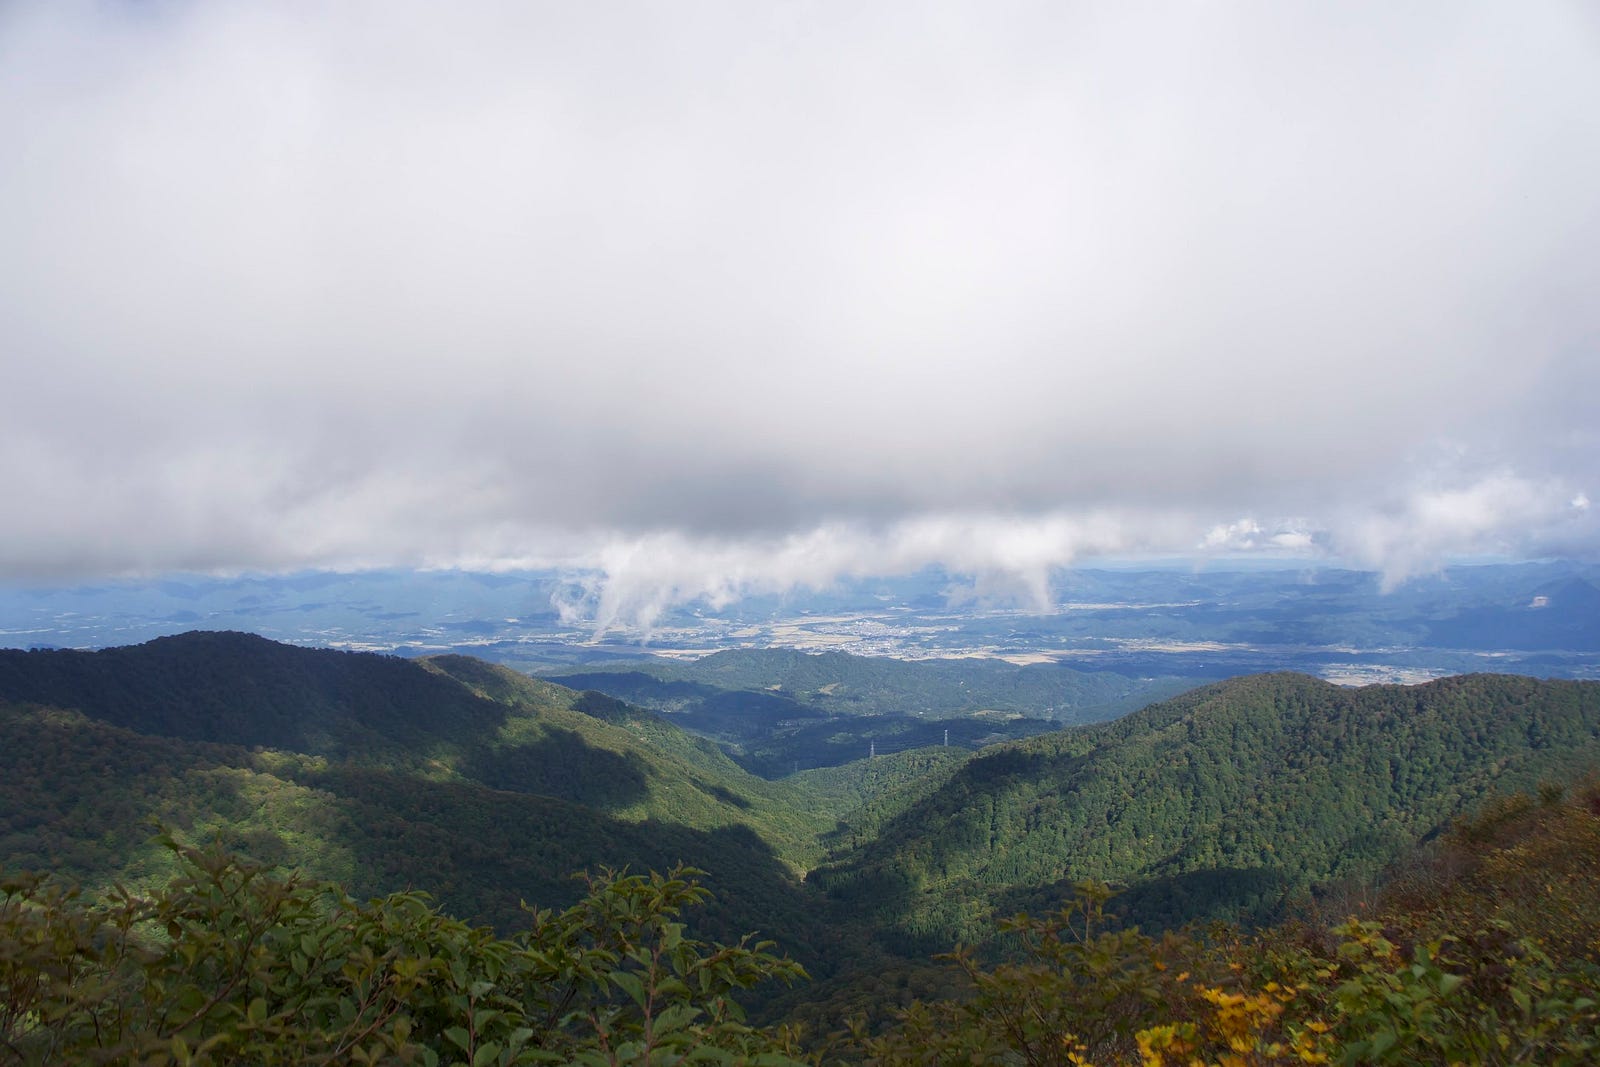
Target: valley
(1244,801)
(794,535)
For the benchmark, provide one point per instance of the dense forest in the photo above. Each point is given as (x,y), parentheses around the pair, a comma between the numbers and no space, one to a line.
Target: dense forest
(1253,801)
(845,684)
(777,711)
(1224,802)
(1481,951)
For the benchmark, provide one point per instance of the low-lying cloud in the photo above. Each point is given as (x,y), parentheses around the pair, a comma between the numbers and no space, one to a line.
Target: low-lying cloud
(720,299)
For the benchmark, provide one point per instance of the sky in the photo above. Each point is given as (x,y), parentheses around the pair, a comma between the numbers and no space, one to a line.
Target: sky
(708,299)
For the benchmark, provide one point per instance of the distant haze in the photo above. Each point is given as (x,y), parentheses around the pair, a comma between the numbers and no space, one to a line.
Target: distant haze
(712,299)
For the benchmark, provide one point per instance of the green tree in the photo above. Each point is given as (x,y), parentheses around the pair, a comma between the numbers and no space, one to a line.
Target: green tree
(232,962)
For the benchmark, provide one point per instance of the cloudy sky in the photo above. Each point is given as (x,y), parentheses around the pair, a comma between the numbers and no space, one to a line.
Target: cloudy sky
(711,298)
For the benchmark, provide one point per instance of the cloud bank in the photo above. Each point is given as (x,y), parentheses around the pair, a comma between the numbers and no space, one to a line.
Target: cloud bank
(725,297)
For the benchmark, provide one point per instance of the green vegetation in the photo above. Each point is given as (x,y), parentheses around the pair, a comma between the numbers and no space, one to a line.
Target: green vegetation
(481,785)
(778,711)
(1227,802)
(232,963)
(77,798)
(1486,950)
(1244,801)
(346,723)
(870,792)
(839,683)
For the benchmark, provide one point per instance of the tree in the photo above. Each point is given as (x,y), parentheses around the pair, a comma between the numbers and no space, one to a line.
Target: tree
(232,962)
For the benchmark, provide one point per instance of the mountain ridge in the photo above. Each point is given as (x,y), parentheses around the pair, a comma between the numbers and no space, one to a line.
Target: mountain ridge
(1232,800)
(1283,774)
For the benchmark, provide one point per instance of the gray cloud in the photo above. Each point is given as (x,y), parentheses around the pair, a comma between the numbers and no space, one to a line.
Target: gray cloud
(727,297)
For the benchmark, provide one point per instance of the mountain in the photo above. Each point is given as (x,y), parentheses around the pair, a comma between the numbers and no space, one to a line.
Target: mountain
(243,689)
(778,710)
(1561,614)
(1225,801)
(487,788)
(480,784)
(447,719)
(839,683)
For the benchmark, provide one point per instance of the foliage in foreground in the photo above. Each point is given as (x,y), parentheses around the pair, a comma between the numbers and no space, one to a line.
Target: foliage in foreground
(1222,803)
(233,963)
(1487,952)
(1084,997)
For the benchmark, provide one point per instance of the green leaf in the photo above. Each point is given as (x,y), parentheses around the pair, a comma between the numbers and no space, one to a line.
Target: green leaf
(630,984)
(675,1017)
(488,1053)
(1382,1042)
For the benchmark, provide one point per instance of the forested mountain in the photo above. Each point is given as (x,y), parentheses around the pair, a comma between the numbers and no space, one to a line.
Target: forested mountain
(246,690)
(487,788)
(482,785)
(1482,953)
(844,684)
(779,710)
(1222,801)
(77,799)
(447,719)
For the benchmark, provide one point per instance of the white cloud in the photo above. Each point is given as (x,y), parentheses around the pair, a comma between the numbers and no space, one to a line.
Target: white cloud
(1240,535)
(1283,537)
(631,581)
(1299,541)
(1499,513)
(736,297)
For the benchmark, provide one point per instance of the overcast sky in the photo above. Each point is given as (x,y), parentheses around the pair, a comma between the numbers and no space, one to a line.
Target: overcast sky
(713,298)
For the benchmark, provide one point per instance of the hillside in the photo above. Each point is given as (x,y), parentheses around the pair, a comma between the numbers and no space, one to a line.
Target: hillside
(479,784)
(79,799)
(1481,951)
(779,710)
(486,788)
(242,689)
(1224,801)
(843,684)
(448,719)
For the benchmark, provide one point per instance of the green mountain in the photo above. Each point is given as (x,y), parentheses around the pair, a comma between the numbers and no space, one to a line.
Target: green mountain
(78,797)
(487,787)
(778,710)
(1224,801)
(482,785)
(448,720)
(841,683)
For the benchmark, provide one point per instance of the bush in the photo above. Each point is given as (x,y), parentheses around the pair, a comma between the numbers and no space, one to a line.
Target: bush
(234,963)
